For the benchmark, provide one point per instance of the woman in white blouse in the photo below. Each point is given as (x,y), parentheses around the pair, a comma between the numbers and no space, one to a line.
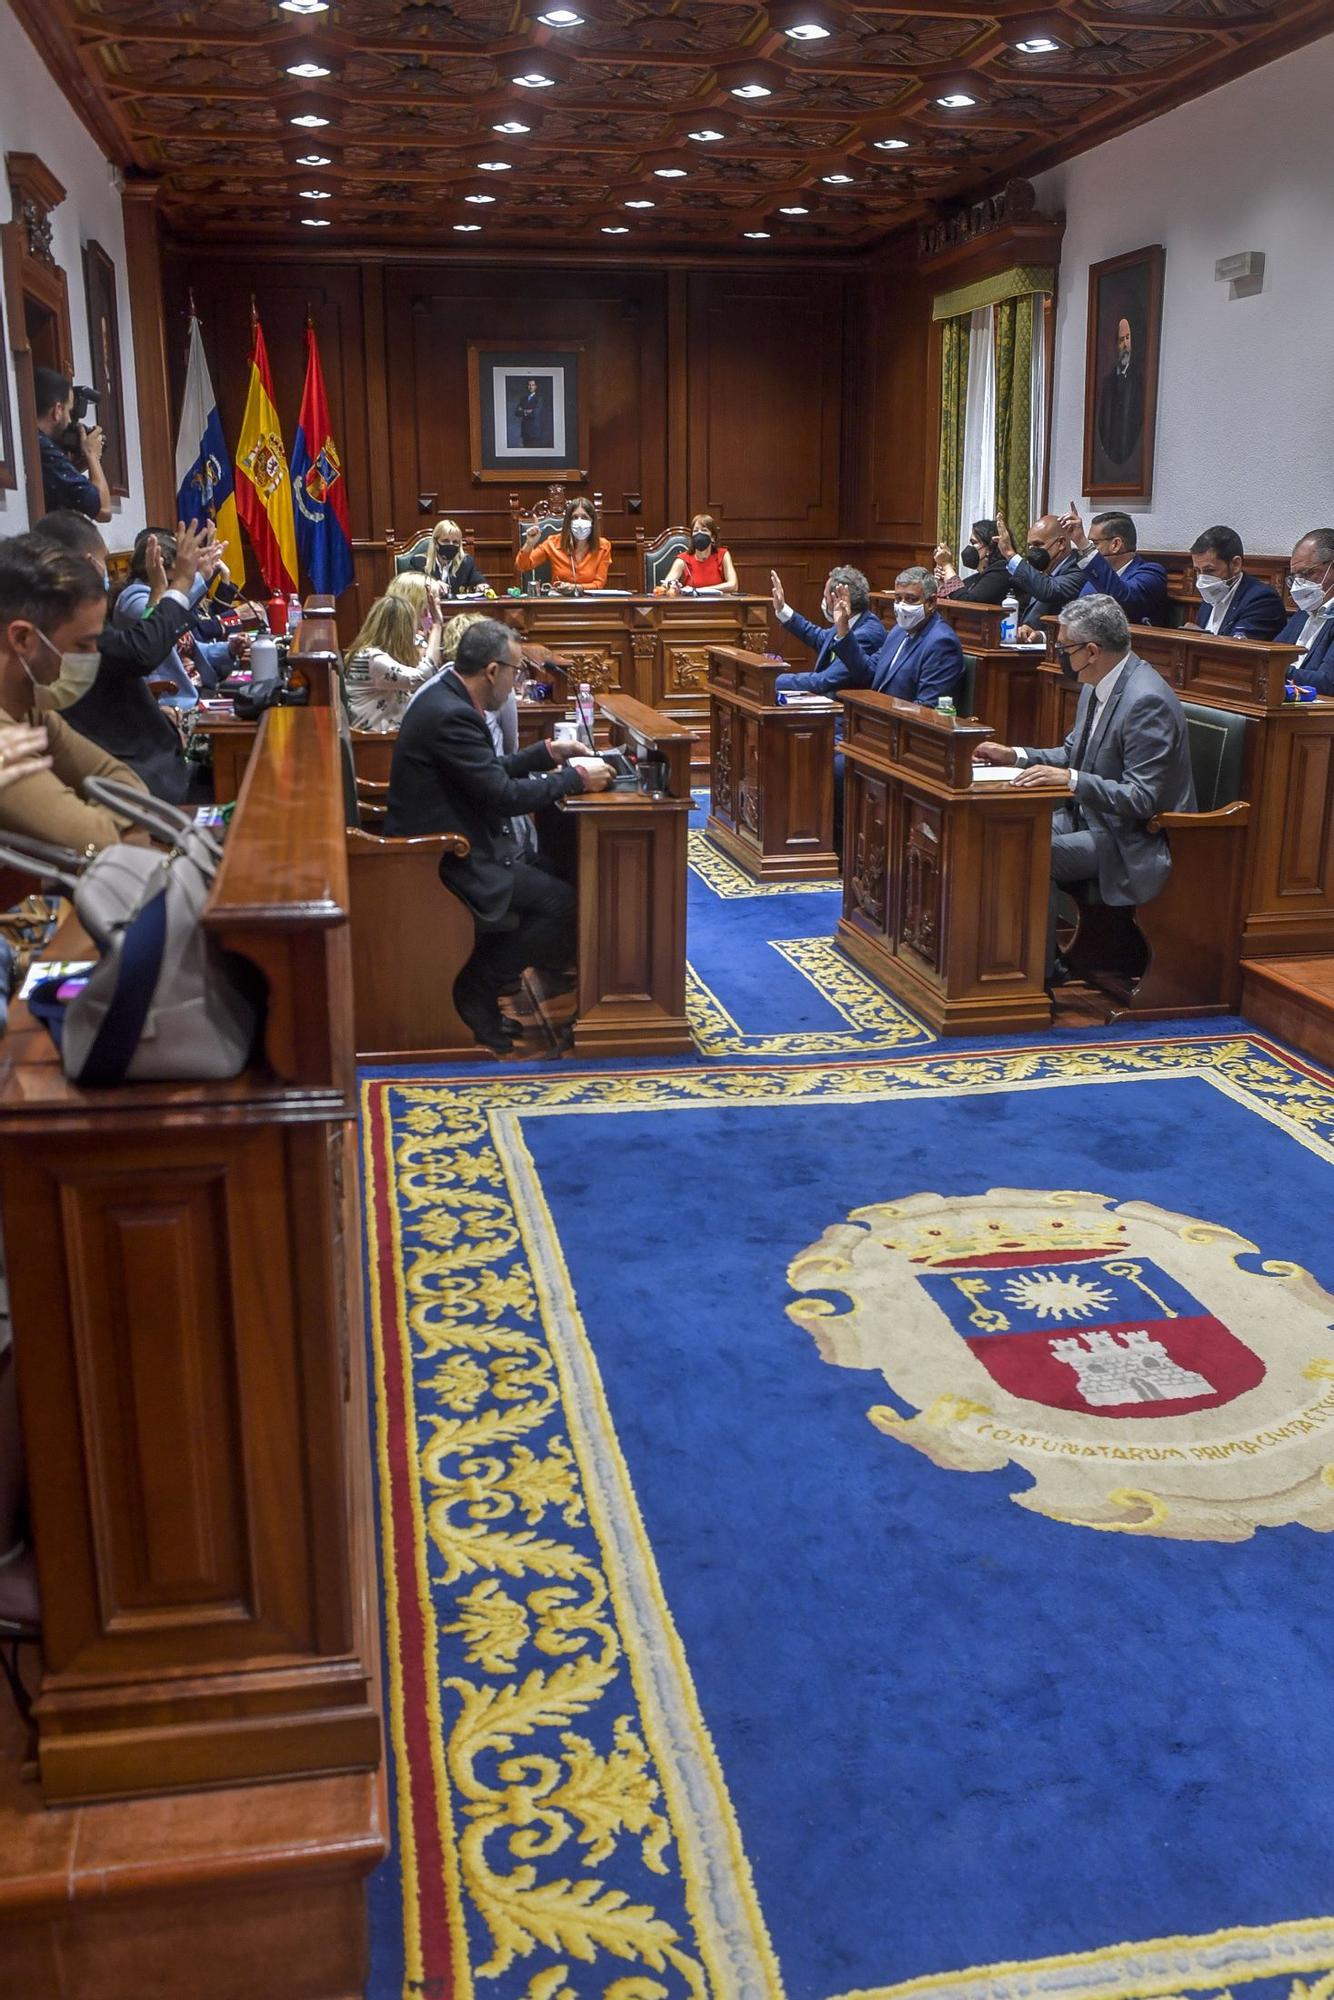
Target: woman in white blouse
(386,665)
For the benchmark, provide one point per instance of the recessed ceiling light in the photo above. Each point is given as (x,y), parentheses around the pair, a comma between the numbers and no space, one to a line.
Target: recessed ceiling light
(837,180)
(1038,45)
(890,145)
(309,119)
(756,235)
(315,221)
(561,17)
(314,159)
(794,209)
(307,69)
(467,228)
(479,199)
(533,79)
(957,100)
(494,166)
(304,6)
(807,31)
(752,90)
(615,229)
(670,173)
(641,204)
(316,194)
(707,132)
(511,127)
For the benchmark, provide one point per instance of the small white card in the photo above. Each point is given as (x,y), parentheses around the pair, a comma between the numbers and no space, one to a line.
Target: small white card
(996,774)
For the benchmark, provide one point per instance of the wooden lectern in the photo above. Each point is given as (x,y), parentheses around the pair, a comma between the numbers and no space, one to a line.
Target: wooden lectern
(945,883)
(771,772)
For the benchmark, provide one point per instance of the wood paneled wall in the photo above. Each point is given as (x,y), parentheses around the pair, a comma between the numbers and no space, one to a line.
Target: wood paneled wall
(791,404)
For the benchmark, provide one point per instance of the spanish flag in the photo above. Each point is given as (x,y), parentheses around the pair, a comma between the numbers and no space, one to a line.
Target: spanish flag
(263,484)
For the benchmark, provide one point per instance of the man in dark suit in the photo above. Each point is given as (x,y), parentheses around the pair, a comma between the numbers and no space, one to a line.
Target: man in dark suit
(1236,606)
(447,778)
(1127,757)
(830,672)
(1311,588)
(1046,576)
(1106,552)
(920,660)
(1121,402)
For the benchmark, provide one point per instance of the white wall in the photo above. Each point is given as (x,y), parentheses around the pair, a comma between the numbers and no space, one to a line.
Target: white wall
(1246,386)
(35,118)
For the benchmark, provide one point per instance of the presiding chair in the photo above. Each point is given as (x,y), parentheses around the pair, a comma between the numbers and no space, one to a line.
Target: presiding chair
(404,556)
(659,555)
(1181,953)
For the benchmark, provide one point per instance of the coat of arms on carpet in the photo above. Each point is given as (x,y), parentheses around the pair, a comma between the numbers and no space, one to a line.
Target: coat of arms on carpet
(1154,1373)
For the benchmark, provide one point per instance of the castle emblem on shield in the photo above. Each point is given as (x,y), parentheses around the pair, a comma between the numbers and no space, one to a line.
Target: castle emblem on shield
(1153,1373)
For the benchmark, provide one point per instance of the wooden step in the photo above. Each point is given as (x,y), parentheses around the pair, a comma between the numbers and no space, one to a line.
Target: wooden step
(1292,998)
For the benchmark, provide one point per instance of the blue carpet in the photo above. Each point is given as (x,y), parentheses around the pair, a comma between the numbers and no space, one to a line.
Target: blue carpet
(912,1727)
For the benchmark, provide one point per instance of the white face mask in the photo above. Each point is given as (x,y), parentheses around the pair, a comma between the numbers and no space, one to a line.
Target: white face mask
(1308,592)
(909,616)
(77,673)
(51,647)
(1213,589)
(580,528)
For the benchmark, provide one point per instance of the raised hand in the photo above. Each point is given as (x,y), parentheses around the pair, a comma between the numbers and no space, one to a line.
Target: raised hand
(1004,539)
(1073,523)
(776,588)
(840,604)
(190,545)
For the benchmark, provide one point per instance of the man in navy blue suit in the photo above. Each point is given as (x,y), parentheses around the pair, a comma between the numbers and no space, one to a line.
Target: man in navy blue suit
(830,672)
(1236,606)
(1311,588)
(921,659)
(1106,552)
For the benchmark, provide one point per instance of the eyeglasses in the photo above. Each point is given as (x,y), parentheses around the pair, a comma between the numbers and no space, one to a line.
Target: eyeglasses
(1307,575)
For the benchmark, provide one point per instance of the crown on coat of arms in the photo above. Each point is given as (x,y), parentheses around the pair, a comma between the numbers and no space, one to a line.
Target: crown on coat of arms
(935,1243)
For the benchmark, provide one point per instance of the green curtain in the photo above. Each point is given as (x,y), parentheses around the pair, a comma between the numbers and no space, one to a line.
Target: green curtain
(1014,409)
(953,395)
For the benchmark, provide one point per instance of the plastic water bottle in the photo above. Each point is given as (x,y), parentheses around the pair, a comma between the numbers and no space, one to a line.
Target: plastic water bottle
(293,614)
(585,712)
(945,706)
(1009,625)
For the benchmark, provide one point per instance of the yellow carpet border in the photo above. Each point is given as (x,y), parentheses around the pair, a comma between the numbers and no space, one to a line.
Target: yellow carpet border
(876,1021)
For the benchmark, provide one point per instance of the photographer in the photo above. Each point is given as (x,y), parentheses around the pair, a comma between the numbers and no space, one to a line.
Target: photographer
(63,483)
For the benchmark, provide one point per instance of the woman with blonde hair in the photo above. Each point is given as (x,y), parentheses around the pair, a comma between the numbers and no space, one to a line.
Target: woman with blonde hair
(578,556)
(386,666)
(447,561)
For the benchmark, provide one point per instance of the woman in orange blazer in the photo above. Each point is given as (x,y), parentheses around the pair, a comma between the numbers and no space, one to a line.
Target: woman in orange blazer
(578,555)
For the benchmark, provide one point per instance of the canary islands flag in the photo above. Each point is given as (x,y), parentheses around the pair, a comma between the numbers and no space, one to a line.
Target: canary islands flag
(322,530)
(204,483)
(263,486)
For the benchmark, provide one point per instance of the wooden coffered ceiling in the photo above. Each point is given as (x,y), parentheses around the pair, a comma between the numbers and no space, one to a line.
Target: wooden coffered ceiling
(199,96)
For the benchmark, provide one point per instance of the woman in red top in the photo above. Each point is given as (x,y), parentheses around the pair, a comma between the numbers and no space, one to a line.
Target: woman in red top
(578,555)
(703,566)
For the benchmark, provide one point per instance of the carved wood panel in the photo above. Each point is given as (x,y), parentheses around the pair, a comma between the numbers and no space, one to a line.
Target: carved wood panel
(867,851)
(921,879)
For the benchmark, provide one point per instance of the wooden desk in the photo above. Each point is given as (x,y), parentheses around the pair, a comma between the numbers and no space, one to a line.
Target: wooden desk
(771,772)
(945,886)
(655,649)
(629,860)
(232,742)
(184,1288)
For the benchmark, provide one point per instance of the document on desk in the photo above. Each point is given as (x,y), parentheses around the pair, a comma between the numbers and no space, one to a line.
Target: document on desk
(796,698)
(996,774)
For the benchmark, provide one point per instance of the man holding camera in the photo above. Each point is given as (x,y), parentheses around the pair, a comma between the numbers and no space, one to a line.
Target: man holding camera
(59,431)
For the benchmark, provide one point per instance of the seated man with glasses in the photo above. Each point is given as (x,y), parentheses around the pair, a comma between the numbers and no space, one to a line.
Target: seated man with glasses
(1107,554)
(1311,588)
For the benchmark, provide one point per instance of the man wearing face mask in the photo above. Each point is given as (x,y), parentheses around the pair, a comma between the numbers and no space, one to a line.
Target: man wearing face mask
(106,697)
(52,607)
(1236,606)
(1311,588)
(446,777)
(1046,577)
(988,581)
(921,659)
(1107,553)
(832,670)
(1127,758)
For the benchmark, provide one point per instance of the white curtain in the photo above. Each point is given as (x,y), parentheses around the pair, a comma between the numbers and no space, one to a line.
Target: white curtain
(1037,437)
(979,427)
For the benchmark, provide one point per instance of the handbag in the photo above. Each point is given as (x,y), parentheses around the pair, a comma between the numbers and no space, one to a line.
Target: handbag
(165,1003)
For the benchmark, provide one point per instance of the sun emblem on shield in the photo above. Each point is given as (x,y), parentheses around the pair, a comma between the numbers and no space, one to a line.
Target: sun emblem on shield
(1152,1372)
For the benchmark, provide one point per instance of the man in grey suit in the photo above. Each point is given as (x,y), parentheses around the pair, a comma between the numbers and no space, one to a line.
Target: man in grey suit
(1126,759)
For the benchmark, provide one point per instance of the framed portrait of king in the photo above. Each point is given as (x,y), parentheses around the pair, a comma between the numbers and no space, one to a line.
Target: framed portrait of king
(527,412)
(1121,374)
